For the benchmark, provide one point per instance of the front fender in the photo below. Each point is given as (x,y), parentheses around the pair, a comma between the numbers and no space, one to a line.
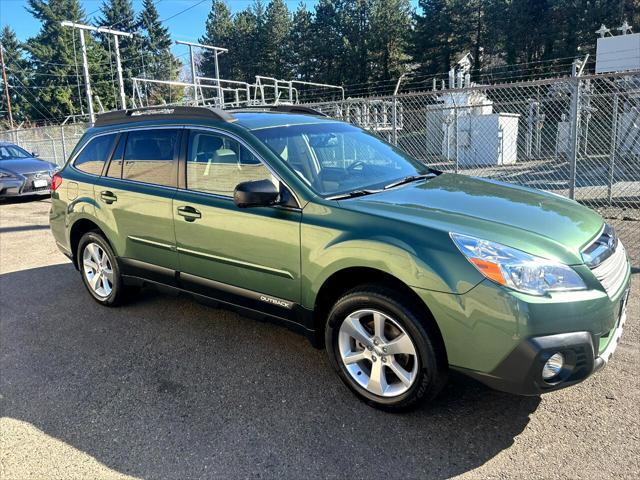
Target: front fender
(421,259)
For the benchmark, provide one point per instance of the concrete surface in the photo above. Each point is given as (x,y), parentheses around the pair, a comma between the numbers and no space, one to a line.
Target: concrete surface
(168,388)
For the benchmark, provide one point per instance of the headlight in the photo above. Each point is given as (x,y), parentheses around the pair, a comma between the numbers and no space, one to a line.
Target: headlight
(6,175)
(516,269)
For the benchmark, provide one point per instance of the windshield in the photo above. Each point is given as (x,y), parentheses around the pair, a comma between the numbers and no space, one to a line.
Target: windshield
(337,158)
(8,152)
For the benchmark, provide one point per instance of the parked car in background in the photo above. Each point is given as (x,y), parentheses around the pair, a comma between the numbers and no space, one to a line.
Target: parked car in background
(402,272)
(21,173)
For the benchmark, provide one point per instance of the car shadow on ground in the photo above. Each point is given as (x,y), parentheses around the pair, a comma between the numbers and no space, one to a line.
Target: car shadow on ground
(23,199)
(165,387)
(23,228)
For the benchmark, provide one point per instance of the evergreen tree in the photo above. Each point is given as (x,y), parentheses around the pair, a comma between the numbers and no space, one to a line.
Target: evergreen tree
(259,39)
(329,49)
(529,22)
(338,41)
(432,36)
(55,63)
(300,57)
(389,38)
(156,44)
(119,15)
(244,53)
(18,77)
(354,21)
(219,33)
(495,34)
(277,29)
(445,30)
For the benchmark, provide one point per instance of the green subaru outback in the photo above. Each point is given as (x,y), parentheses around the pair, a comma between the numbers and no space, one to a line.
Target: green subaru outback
(400,271)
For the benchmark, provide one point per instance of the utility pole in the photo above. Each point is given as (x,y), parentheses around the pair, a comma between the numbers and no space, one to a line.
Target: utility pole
(6,86)
(87,80)
(216,51)
(123,99)
(116,33)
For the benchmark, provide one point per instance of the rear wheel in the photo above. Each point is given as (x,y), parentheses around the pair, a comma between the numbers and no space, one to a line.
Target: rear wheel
(99,269)
(382,349)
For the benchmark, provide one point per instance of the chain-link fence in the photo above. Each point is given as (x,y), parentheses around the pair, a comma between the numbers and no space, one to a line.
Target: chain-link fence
(52,144)
(578,137)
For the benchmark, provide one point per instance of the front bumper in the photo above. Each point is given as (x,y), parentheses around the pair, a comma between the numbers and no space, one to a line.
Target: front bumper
(521,371)
(503,338)
(18,187)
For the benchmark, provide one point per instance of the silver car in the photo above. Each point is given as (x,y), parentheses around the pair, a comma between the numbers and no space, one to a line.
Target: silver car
(23,174)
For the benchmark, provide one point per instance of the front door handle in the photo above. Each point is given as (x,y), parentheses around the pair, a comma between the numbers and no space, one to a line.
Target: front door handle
(108,197)
(189,213)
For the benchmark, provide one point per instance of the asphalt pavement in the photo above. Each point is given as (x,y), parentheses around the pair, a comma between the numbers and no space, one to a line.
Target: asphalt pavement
(168,388)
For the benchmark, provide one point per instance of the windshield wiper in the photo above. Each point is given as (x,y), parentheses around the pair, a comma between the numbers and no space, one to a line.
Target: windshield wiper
(409,179)
(354,193)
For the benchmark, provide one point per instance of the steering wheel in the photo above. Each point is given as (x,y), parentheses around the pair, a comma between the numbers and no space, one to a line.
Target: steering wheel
(355,165)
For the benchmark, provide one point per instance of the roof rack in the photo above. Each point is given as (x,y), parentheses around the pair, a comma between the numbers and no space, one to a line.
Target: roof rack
(284,108)
(173,112)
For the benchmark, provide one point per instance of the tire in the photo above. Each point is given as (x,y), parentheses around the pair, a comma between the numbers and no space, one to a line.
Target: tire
(108,289)
(364,358)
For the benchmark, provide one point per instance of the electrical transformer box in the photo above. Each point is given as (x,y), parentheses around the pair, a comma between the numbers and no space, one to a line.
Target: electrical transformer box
(482,140)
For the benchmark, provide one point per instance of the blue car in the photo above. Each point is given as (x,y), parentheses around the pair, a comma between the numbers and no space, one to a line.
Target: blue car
(22,174)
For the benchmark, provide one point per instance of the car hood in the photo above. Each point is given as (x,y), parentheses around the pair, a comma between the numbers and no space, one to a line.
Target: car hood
(534,221)
(25,165)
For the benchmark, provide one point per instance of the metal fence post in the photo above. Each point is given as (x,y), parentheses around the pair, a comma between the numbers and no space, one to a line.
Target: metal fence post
(394,120)
(574,122)
(455,119)
(612,155)
(64,145)
(55,154)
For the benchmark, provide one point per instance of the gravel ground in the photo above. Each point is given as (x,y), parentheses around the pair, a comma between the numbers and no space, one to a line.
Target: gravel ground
(168,388)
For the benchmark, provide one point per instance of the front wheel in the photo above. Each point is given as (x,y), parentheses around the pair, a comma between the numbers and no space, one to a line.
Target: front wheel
(383,350)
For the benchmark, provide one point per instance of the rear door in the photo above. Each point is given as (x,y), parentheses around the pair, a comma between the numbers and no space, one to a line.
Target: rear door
(253,252)
(134,198)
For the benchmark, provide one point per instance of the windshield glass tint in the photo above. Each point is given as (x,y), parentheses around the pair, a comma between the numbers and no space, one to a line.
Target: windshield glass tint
(8,152)
(336,158)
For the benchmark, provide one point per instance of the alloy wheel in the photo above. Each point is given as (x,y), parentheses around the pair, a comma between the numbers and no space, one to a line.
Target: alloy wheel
(378,353)
(97,269)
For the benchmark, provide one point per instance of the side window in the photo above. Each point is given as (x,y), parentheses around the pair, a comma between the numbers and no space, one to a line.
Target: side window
(93,156)
(216,164)
(149,156)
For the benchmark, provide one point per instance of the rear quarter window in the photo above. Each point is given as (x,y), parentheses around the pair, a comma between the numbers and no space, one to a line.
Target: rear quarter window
(95,154)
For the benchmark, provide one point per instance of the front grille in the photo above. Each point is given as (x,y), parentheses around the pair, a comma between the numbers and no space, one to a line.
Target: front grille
(611,273)
(30,177)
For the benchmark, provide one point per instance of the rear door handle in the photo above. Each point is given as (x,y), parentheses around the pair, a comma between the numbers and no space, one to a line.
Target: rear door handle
(108,197)
(189,213)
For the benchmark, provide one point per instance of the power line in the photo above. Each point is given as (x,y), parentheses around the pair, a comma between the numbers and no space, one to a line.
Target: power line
(163,19)
(36,99)
(183,11)
(124,60)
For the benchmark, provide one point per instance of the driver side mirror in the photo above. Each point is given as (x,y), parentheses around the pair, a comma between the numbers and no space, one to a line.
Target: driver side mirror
(35,154)
(256,193)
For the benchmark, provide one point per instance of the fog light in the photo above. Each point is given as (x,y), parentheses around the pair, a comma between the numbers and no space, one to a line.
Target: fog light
(553,366)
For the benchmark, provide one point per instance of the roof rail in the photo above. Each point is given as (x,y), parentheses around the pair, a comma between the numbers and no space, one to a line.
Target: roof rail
(284,108)
(172,112)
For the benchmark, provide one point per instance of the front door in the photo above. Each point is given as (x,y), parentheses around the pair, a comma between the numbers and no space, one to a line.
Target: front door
(253,252)
(135,196)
